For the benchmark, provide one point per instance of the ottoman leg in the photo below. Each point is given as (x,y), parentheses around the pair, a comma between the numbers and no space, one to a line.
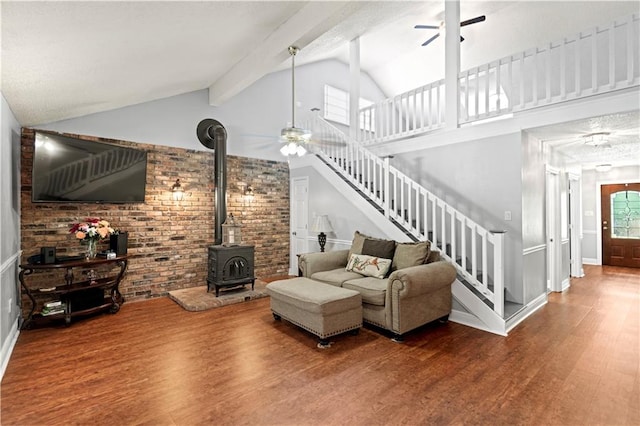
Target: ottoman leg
(398,338)
(324,343)
(276,317)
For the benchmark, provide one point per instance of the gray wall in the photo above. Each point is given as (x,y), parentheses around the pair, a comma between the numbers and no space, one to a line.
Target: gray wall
(345,218)
(591,181)
(9,229)
(253,118)
(482,179)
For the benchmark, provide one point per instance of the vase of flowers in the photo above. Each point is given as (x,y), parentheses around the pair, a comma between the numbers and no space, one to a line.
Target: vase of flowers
(90,232)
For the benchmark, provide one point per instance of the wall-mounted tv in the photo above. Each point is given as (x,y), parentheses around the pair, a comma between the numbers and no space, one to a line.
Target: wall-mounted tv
(69,170)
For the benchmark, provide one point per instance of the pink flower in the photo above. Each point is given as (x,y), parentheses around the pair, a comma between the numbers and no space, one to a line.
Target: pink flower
(93,228)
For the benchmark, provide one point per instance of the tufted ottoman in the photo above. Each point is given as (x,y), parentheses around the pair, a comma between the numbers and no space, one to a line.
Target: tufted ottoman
(321,309)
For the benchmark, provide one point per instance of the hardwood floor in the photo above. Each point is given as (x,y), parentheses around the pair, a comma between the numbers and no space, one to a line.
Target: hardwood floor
(574,362)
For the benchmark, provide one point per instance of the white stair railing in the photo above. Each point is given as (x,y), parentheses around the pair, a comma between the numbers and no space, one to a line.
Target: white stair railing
(410,113)
(595,61)
(476,252)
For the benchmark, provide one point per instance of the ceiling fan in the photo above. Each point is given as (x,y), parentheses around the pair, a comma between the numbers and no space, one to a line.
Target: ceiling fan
(294,138)
(440,27)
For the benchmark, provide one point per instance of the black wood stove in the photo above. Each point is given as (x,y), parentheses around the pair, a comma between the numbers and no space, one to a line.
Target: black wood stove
(230,267)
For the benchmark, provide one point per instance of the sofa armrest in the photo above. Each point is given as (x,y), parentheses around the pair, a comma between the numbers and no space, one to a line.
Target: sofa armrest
(418,295)
(421,279)
(310,263)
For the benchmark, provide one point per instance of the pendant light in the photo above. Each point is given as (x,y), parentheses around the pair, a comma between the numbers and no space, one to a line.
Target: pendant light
(294,138)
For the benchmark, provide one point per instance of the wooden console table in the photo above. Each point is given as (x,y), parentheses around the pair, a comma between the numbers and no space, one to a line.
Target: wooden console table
(70,291)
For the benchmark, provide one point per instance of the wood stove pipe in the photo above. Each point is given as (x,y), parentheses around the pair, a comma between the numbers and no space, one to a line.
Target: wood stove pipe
(212,134)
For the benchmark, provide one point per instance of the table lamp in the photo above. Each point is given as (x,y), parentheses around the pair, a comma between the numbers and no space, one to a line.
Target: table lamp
(321,224)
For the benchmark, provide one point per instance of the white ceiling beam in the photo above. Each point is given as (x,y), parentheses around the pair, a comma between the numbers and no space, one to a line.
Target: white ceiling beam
(310,22)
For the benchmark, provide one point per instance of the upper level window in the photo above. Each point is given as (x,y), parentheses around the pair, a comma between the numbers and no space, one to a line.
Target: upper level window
(336,107)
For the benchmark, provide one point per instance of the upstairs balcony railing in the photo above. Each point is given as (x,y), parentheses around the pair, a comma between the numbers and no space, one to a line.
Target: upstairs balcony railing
(599,60)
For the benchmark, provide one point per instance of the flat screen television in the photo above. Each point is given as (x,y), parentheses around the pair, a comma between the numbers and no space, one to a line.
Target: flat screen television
(72,170)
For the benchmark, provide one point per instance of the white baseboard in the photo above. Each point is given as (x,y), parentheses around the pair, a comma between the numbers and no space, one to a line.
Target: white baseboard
(566,284)
(7,348)
(590,261)
(527,311)
(465,318)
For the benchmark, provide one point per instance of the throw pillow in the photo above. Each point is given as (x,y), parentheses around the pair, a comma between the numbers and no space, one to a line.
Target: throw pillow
(369,266)
(356,244)
(379,248)
(410,254)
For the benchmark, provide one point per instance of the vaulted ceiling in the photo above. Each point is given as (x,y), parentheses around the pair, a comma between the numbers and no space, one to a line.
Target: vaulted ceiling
(67,59)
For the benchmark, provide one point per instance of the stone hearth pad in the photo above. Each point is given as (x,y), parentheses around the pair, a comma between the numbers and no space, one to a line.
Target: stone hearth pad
(198,299)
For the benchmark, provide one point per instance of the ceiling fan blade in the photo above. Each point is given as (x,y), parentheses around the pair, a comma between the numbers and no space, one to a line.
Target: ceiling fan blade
(426,27)
(322,142)
(473,20)
(431,39)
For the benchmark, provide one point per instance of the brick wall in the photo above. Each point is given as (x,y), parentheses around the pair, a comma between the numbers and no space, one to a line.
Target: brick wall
(168,240)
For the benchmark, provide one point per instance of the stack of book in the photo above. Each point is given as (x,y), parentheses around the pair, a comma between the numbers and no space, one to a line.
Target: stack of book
(52,308)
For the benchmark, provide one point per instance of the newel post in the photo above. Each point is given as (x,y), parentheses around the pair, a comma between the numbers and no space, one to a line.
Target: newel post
(386,195)
(498,271)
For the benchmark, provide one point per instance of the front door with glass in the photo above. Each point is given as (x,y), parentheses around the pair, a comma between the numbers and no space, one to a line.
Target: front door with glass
(621,224)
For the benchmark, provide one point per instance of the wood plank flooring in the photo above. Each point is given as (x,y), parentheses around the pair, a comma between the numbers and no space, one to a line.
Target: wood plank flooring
(574,362)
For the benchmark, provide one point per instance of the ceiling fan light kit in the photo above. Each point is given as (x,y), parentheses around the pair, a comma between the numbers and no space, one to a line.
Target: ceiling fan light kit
(603,167)
(294,137)
(293,148)
(596,139)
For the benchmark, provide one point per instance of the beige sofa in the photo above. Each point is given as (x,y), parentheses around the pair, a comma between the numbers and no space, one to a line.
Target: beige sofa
(415,291)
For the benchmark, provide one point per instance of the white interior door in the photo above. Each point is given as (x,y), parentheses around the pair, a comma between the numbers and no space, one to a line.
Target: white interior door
(299,220)
(554,282)
(575,224)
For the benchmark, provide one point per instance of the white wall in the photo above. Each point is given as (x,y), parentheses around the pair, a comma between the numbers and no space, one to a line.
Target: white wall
(591,181)
(9,230)
(253,118)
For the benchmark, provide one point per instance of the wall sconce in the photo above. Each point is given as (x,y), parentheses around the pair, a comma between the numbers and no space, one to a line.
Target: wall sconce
(248,193)
(321,224)
(177,191)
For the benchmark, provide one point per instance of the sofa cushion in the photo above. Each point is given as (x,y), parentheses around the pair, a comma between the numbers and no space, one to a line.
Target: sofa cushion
(369,266)
(373,290)
(410,254)
(434,256)
(379,248)
(357,243)
(335,276)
